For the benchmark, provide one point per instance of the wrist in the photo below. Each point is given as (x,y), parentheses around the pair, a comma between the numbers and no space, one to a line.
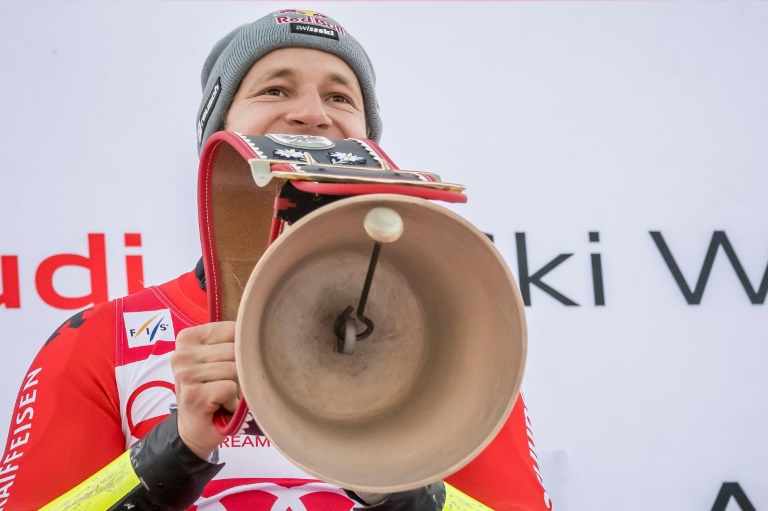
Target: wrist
(204,451)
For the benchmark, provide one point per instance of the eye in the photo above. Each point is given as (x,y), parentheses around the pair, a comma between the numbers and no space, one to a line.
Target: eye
(272,91)
(339,98)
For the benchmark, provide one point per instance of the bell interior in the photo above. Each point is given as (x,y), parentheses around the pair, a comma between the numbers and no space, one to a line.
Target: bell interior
(433,383)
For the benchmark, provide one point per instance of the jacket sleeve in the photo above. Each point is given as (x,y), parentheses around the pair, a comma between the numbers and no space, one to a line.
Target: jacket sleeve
(158,472)
(438,496)
(66,423)
(427,498)
(506,474)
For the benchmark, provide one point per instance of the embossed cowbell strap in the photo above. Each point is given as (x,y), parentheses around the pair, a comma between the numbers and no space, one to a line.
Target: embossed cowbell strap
(235,218)
(237,215)
(348,167)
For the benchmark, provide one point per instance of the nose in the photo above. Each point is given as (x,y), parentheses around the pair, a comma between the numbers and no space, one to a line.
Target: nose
(309,112)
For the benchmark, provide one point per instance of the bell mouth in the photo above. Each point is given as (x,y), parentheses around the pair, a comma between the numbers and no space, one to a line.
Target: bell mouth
(430,387)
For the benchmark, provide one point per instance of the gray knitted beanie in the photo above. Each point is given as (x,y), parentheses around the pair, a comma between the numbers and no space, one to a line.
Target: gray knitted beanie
(233,56)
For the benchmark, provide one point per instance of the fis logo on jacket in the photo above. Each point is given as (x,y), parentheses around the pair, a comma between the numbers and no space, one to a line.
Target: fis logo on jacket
(148,327)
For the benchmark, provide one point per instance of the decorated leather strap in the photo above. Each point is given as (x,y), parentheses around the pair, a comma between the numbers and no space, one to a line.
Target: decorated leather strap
(241,178)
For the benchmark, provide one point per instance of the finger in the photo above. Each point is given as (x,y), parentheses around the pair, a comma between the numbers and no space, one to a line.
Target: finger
(213,395)
(209,333)
(216,371)
(185,360)
(203,354)
(189,374)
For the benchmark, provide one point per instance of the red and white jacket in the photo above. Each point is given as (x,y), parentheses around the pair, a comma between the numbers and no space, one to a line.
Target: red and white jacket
(103,380)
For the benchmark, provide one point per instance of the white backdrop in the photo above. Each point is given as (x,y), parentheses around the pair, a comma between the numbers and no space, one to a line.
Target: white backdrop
(562,118)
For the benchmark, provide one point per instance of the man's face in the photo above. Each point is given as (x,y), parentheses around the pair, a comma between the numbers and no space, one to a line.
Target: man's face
(299,91)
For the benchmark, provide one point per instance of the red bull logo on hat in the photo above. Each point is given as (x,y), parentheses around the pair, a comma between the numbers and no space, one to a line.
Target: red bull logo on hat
(314,19)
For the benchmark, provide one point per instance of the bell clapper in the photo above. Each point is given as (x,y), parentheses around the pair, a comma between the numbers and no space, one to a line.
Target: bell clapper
(383,225)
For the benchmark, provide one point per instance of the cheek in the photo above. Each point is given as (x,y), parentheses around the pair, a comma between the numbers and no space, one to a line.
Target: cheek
(250,119)
(354,126)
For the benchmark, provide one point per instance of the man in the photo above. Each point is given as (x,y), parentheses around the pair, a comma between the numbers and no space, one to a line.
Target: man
(99,386)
